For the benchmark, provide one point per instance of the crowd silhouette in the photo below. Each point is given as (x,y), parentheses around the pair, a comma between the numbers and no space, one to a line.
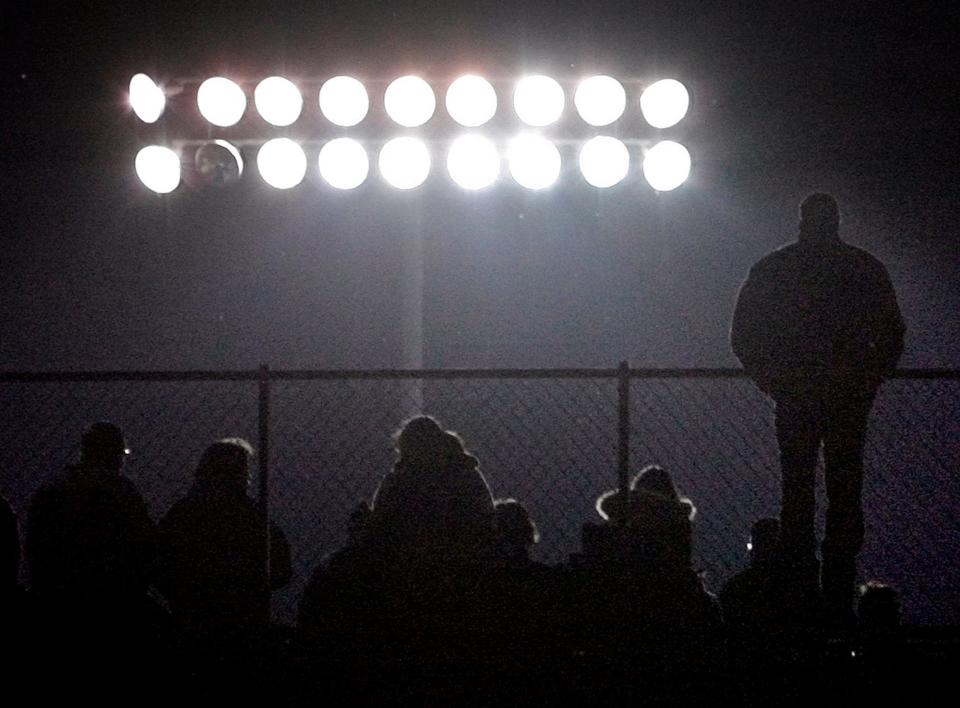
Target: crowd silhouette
(433,599)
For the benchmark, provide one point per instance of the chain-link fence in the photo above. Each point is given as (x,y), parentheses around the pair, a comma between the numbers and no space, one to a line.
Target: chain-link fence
(553,439)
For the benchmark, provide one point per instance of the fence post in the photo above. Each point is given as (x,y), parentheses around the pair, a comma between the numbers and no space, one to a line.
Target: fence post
(623,418)
(263,494)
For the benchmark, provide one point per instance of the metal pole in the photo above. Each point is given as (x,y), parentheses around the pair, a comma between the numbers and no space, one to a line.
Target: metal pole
(263,497)
(623,452)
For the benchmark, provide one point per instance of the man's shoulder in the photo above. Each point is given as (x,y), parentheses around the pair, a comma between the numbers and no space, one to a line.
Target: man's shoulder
(780,257)
(862,258)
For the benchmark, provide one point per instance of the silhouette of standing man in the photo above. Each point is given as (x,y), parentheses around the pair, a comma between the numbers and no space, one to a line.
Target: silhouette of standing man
(817,327)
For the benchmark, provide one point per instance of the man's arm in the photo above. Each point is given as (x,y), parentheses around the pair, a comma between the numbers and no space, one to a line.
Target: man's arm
(747,332)
(887,342)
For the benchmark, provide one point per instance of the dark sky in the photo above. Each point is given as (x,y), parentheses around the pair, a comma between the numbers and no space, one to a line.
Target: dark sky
(96,273)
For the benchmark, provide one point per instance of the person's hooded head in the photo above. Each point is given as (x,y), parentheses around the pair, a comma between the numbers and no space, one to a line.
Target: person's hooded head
(420,442)
(226,463)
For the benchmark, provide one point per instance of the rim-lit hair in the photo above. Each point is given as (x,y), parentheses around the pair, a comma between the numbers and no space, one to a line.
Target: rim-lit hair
(228,459)
(513,521)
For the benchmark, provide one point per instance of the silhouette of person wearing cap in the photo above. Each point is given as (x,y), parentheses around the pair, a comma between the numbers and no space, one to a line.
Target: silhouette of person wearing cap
(89,537)
(818,328)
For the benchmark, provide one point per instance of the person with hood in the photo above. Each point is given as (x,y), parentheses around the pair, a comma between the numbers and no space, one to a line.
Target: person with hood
(213,555)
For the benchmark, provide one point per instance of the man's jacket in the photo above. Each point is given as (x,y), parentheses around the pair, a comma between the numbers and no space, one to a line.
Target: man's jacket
(817,311)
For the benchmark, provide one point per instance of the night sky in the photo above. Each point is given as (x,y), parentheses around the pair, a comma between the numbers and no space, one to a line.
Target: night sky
(97,273)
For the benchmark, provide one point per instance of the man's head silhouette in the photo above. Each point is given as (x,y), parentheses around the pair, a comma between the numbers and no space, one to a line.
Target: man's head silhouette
(103,445)
(819,216)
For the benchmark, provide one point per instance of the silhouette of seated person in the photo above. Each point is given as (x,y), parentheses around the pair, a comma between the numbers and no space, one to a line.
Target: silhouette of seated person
(431,529)
(752,599)
(524,598)
(435,504)
(90,547)
(89,540)
(648,617)
(213,563)
(764,627)
(335,608)
(887,668)
(515,534)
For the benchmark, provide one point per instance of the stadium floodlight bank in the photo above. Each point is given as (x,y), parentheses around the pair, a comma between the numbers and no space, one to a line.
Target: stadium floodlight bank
(341,130)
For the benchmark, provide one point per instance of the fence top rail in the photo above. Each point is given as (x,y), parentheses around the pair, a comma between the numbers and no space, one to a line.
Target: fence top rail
(432,374)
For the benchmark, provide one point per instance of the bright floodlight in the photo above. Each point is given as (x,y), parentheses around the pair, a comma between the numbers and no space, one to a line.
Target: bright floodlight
(538,100)
(409,100)
(343,163)
(473,162)
(146,98)
(666,165)
(344,101)
(471,101)
(664,103)
(534,161)
(221,101)
(278,101)
(604,161)
(158,168)
(405,162)
(282,163)
(600,100)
